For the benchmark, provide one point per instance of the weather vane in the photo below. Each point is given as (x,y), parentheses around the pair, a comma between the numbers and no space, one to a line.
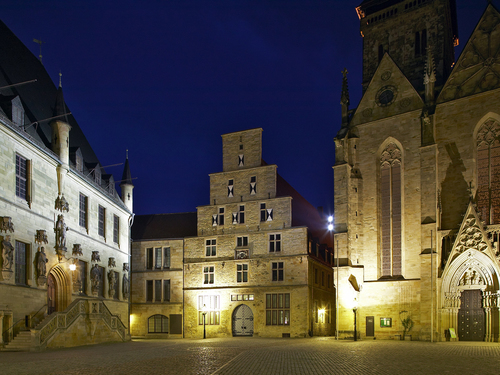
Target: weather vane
(39,42)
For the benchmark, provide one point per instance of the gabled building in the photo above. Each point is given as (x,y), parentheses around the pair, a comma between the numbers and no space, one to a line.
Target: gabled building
(64,230)
(417,180)
(256,266)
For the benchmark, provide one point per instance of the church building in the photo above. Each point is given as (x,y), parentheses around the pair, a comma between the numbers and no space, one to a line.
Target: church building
(417,178)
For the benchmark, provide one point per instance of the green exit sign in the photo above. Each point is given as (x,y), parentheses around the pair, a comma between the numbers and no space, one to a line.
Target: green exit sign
(385,322)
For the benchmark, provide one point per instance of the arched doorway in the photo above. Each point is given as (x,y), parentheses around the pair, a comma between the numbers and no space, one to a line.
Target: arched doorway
(242,321)
(58,290)
(471,324)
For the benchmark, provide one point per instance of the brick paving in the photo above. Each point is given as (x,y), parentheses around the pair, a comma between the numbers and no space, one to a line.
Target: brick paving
(260,356)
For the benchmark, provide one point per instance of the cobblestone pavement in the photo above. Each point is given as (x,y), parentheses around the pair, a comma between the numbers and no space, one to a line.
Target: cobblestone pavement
(260,356)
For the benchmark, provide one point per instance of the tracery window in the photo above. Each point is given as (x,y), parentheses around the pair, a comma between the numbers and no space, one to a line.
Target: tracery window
(390,218)
(488,172)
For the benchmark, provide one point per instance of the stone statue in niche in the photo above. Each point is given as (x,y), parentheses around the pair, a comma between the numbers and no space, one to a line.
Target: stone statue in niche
(6,225)
(95,279)
(41,262)
(112,283)
(7,253)
(125,286)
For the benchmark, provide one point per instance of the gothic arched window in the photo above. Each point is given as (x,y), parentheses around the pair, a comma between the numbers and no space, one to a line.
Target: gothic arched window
(488,172)
(390,201)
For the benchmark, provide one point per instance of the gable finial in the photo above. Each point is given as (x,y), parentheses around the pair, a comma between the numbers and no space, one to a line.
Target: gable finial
(344,98)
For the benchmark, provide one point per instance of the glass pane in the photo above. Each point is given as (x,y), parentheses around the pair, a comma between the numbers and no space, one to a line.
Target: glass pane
(238,277)
(280,317)
(268,301)
(268,317)
(275,317)
(275,301)
(245,276)
(157,290)
(287,300)
(166,257)
(280,301)
(287,317)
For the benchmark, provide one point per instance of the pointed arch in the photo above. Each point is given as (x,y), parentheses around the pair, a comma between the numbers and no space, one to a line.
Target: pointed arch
(390,167)
(487,171)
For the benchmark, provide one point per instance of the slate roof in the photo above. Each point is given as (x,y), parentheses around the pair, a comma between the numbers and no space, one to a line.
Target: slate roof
(164,226)
(18,64)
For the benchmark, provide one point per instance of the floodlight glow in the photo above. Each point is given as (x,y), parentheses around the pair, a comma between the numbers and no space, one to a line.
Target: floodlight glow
(330,226)
(330,218)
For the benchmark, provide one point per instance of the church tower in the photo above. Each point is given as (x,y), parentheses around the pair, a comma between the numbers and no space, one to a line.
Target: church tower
(405,29)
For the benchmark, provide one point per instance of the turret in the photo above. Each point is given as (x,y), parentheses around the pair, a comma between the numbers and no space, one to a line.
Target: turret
(60,137)
(127,186)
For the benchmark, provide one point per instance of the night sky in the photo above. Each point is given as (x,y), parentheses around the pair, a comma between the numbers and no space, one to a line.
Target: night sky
(165,79)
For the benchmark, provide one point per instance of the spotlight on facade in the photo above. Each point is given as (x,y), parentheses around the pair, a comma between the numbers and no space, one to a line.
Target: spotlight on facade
(72,266)
(330,223)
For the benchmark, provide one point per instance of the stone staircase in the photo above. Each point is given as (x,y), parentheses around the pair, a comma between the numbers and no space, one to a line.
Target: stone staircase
(21,343)
(59,323)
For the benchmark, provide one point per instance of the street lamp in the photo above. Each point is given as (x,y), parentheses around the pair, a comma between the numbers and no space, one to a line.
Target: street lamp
(330,229)
(204,313)
(355,310)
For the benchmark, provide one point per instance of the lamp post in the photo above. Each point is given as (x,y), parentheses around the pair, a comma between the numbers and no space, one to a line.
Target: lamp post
(330,229)
(204,313)
(355,310)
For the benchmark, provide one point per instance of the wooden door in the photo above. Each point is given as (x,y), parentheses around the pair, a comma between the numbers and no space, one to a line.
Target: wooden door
(471,322)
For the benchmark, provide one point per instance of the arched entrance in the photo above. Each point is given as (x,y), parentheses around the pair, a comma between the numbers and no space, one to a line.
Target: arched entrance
(58,290)
(242,321)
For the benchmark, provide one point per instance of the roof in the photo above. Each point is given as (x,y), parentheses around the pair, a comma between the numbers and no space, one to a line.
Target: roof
(17,65)
(163,226)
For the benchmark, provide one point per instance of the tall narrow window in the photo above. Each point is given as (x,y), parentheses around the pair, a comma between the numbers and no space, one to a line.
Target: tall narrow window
(242,273)
(488,172)
(102,220)
(241,214)
(22,171)
(274,243)
(149,258)
(166,290)
(277,271)
(83,211)
(390,218)
(157,290)
(221,216)
(22,261)
(166,257)
(158,258)
(149,290)
(116,229)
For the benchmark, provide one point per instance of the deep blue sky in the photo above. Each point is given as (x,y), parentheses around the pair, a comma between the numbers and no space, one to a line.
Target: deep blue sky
(166,79)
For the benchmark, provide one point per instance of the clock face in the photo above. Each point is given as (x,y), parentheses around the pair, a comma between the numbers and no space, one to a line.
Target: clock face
(386,96)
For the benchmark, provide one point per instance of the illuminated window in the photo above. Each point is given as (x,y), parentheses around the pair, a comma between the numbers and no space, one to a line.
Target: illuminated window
(278,309)
(208,275)
(274,243)
(277,271)
(390,200)
(242,273)
(210,306)
(158,324)
(211,247)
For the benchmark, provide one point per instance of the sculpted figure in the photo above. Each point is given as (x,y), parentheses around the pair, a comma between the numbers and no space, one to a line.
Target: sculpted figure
(61,229)
(8,253)
(125,286)
(41,262)
(95,277)
(112,283)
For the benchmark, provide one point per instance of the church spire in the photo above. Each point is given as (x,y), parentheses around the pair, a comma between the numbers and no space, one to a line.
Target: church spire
(344,98)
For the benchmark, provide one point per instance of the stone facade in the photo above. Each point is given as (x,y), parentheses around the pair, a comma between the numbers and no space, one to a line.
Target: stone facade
(415,175)
(56,213)
(250,271)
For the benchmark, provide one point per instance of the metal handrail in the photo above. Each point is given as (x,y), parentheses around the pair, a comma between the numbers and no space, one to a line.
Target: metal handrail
(35,314)
(20,320)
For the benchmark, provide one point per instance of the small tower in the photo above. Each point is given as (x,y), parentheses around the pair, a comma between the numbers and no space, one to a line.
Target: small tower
(127,186)
(60,136)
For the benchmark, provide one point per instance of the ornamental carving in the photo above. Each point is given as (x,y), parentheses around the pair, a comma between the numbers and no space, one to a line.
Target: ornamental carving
(6,224)
(41,237)
(111,283)
(488,134)
(7,254)
(125,286)
(471,237)
(111,262)
(452,300)
(471,277)
(61,204)
(390,155)
(77,250)
(95,256)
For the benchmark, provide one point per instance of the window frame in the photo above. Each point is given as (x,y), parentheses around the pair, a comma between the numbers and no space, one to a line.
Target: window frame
(210,305)
(208,275)
(83,211)
(163,323)
(23,180)
(116,229)
(242,241)
(211,247)
(242,272)
(278,309)
(275,243)
(277,271)
(101,217)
